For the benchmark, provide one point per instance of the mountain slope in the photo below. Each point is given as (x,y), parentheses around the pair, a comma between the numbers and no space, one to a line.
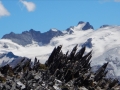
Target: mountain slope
(104,42)
(6,58)
(27,37)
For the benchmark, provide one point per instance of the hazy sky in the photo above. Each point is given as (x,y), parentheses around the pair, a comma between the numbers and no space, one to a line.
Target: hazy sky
(41,15)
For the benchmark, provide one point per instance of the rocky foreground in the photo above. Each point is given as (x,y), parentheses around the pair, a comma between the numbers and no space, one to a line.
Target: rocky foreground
(60,72)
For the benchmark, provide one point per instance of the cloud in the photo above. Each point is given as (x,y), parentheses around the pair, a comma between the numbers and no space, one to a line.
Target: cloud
(29,5)
(3,10)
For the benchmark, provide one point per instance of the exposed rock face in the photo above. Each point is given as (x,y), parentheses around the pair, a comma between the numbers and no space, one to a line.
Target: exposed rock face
(81,22)
(104,26)
(69,31)
(11,55)
(47,36)
(86,26)
(7,58)
(27,37)
(88,43)
(62,72)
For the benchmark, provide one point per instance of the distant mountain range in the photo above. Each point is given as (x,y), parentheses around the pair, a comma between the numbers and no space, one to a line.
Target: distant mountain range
(6,58)
(104,42)
(28,37)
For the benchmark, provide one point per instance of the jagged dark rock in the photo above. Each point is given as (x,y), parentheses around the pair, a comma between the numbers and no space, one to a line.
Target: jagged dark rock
(88,43)
(80,22)
(61,71)
(87,25)
(69,31)
(104,26)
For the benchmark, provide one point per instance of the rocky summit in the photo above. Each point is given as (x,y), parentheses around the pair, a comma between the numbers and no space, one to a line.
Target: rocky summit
(60,72)
(27,37)
(86,26)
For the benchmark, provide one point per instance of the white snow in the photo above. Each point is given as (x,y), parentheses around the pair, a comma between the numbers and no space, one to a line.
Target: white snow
(79,26)
(5,60)
(8,45)
(53,29)
(105,44)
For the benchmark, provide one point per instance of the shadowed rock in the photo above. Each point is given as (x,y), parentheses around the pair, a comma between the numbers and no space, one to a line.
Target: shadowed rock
(61,71)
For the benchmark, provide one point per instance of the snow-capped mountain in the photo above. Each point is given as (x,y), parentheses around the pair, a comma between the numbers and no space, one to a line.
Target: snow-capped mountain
(6,58)
(27,37)
(86,25)
(104,42)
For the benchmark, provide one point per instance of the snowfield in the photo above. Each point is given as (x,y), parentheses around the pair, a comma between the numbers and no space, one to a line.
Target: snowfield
(105,43)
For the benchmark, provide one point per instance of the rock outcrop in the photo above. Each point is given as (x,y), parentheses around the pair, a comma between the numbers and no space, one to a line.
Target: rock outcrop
(60,72)
(27,37)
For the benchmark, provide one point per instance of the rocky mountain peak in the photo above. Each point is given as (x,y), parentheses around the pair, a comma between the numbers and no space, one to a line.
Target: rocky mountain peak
(12,33)
(33,31)
(53,30)
(87,26)
(11,55)
(27,37)
(80,22)
(104,26)
(70,30)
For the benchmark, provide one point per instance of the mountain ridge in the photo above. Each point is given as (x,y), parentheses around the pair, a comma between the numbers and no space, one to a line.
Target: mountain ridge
(104,42)
(26,37)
